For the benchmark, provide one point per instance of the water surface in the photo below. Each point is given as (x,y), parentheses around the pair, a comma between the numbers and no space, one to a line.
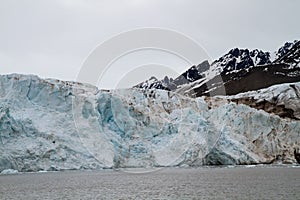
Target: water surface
(171,183)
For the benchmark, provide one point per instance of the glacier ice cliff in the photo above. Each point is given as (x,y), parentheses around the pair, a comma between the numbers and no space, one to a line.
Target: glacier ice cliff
(47,124)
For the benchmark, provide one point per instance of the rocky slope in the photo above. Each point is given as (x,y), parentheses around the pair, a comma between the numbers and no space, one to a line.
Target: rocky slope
(55,125)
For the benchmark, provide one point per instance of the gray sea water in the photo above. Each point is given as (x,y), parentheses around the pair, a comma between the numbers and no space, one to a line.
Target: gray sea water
(170,183)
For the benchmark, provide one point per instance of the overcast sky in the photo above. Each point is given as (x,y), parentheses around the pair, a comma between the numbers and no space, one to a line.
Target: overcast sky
(53,38)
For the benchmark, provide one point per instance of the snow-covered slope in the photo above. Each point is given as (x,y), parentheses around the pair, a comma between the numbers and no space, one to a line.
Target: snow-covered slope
(283,99)
(54,125)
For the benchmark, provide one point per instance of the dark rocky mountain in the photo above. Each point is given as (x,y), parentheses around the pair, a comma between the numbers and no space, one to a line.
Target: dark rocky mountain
(289,54)
(192,74)
(240,70)
(237,59)
(153,82)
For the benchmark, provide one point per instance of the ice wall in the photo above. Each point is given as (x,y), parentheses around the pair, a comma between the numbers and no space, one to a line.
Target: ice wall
(55,125)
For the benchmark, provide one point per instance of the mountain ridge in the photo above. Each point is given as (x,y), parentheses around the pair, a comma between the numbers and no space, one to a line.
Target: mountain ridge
(228,72)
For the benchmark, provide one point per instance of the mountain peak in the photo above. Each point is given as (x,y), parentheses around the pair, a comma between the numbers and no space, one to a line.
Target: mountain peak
(289,54)
(237,59)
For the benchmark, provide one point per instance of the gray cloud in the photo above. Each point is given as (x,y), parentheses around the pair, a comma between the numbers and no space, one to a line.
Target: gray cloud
(52,38)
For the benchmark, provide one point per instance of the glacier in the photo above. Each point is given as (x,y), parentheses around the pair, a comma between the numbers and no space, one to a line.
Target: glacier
(49,125)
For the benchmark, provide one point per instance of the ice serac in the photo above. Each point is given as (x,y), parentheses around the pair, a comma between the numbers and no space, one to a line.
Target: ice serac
(48,124)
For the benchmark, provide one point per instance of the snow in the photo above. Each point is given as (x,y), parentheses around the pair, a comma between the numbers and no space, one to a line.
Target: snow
(49,125)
